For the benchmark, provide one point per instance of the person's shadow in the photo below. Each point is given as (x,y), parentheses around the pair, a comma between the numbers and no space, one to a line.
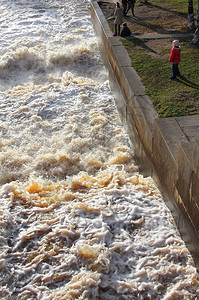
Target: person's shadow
(182,79)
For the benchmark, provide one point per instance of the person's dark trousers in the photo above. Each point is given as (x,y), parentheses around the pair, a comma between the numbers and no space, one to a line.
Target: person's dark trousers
(175,70)
(124,4)
(131,7)
(117,29)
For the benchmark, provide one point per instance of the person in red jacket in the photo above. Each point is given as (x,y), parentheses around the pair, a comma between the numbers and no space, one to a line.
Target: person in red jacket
(175,59)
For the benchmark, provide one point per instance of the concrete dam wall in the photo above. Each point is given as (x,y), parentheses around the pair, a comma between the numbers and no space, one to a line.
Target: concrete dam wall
(166,149)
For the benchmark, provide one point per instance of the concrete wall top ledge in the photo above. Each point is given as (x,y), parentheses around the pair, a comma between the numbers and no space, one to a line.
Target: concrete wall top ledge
(120,54)
(190,126)
(196,157)
(171,133)
(132,81)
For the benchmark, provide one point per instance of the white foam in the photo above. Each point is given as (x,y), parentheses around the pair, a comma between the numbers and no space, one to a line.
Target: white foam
(77,220)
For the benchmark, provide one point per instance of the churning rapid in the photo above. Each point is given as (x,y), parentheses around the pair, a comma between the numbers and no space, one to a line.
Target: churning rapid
(77,219)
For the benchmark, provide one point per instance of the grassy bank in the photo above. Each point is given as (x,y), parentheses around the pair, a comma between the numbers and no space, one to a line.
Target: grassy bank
(170,98)
(149,57)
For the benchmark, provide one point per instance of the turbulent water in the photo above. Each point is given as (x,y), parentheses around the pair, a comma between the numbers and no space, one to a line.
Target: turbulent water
(77,219)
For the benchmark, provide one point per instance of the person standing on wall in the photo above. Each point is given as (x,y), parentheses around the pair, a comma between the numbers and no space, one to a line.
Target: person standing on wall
(131,4)
(118,19)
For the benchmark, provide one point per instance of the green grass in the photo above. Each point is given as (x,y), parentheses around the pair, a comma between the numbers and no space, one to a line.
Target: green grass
(170,98)
(180,6)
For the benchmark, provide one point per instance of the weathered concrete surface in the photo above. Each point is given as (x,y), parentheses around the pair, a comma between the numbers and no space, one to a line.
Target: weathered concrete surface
(167,149)
(190,127)
(167,136)
(188,183)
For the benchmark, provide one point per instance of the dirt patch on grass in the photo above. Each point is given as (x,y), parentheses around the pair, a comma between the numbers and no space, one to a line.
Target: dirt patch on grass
(150,18)
(154,21)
